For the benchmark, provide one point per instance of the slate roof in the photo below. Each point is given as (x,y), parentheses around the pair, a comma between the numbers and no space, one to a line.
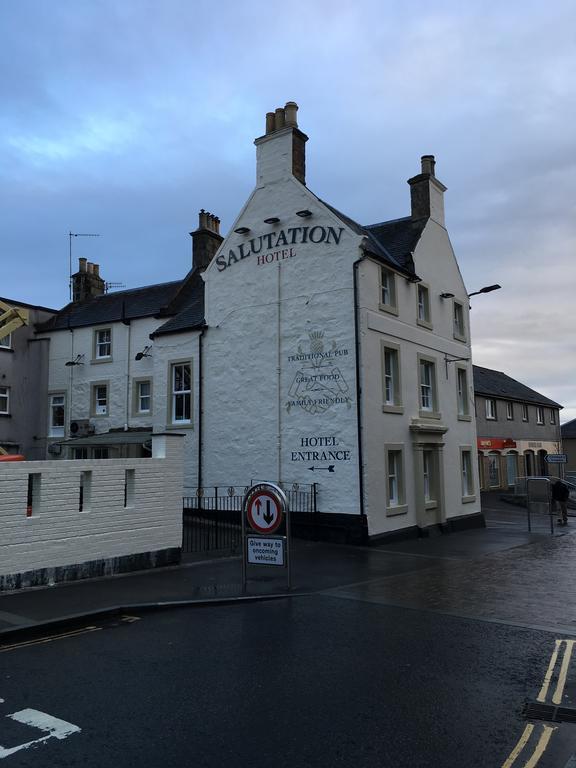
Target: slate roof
(148,301)
(498,384)
(569,429)
(187,306)
(393,241)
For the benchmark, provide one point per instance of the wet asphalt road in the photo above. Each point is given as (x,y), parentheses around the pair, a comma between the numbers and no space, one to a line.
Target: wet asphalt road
(308,681)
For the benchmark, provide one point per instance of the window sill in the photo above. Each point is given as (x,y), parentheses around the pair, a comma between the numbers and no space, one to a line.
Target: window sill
(392,409)
(491,418)
(6,349)
(458,337)
(464,417)
(99,360)
(99,415)
(468,499)
(180,426)
(388,308)
(425,324)
(394,511)
(5,415)
(433,504)
(430,415)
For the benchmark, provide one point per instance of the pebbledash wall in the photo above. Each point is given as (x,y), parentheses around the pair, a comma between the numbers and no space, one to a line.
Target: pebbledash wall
(128,517)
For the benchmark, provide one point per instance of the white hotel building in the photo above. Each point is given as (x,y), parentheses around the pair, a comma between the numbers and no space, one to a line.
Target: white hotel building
(302,347)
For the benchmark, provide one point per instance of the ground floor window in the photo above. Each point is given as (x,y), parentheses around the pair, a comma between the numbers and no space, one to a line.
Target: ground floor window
(494,470)
(512,468)
(428,468)
(467,479)
(56,427)
(395,478)
(5,400)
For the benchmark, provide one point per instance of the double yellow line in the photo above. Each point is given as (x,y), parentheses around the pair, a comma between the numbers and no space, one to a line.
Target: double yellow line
(544,732)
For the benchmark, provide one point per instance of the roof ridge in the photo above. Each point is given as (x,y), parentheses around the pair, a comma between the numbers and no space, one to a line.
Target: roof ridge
(389,221)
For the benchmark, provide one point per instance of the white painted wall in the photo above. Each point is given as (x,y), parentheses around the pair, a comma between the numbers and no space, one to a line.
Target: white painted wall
(264,319)
(58,534)
(435,263)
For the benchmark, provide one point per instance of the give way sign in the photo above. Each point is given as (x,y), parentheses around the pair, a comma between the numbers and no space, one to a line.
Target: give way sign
(264,512)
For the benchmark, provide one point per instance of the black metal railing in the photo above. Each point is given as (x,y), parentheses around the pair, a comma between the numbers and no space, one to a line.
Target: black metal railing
(212,516)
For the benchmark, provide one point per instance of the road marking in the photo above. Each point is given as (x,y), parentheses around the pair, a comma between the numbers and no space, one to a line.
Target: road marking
(522,741)
(547,732)
(52,726)
(557,698)
(564,648)
(49,639)
(549,672)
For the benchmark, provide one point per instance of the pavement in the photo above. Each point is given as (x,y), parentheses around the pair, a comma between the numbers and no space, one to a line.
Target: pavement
(501,573)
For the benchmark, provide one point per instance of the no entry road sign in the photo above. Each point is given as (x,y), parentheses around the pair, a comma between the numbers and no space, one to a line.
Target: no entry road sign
(264,513)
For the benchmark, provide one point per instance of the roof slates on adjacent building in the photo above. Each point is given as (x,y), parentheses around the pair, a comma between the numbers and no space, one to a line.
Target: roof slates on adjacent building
(497,384)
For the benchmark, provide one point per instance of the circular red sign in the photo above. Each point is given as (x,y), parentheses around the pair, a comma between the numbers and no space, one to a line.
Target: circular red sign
(264,512)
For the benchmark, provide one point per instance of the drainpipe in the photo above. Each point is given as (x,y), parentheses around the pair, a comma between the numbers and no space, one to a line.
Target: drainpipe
(358,388)
(128,359)
(200,406)
(279,382)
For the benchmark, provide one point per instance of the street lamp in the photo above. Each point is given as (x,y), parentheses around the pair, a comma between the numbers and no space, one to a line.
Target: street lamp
(486,289)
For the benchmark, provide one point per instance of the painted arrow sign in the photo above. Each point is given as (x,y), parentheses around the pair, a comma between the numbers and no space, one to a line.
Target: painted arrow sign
(322,469)
(264,514)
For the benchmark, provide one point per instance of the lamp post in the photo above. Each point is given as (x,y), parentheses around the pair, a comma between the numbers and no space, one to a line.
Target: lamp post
(486,289)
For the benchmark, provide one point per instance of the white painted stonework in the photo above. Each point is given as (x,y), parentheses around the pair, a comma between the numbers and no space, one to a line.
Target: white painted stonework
(57,533)
(280,351)
(284,343)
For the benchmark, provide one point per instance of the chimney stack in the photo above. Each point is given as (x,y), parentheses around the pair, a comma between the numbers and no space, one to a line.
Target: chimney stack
(427,193)
(205,240)
(86,283)
(281,151)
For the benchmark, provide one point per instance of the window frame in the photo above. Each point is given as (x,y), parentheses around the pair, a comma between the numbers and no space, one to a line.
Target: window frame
(509,411)
(493,415)
(94,385)
(172,394)
(467,498)
(540,416)
(5,396)
(426,320)
(9,344)
(136,396)
(51,406)
(553,419)
(457,334)
(392,305)
(400,506)
(525,413)
(394,406)
(96,356)
(463,398)
(433,412)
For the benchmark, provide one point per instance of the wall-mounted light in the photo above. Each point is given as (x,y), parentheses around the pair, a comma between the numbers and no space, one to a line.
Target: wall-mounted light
(272,220)
(305,213)
(145,353)
(242,230)
(446,295)
(78,360)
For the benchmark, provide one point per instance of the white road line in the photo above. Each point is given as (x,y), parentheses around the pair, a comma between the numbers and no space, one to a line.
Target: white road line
(52,726)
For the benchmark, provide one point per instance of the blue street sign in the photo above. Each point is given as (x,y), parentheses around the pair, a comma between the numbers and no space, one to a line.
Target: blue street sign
(556,458)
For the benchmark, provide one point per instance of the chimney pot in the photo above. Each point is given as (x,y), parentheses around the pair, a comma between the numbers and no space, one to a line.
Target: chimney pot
(279,118)
(290,111)
(82,264)
(269,122)
(428,164)
(89,267)
(96,269)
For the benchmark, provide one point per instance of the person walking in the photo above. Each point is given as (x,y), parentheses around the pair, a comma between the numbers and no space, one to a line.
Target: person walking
(560,495)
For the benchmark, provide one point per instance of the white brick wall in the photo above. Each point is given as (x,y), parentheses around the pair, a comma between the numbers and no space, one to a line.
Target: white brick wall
(58,534)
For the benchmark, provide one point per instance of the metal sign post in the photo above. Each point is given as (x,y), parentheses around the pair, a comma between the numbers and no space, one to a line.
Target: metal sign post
(265,530)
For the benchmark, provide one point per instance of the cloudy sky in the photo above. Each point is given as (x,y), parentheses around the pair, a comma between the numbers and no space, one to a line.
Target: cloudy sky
(125,117)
